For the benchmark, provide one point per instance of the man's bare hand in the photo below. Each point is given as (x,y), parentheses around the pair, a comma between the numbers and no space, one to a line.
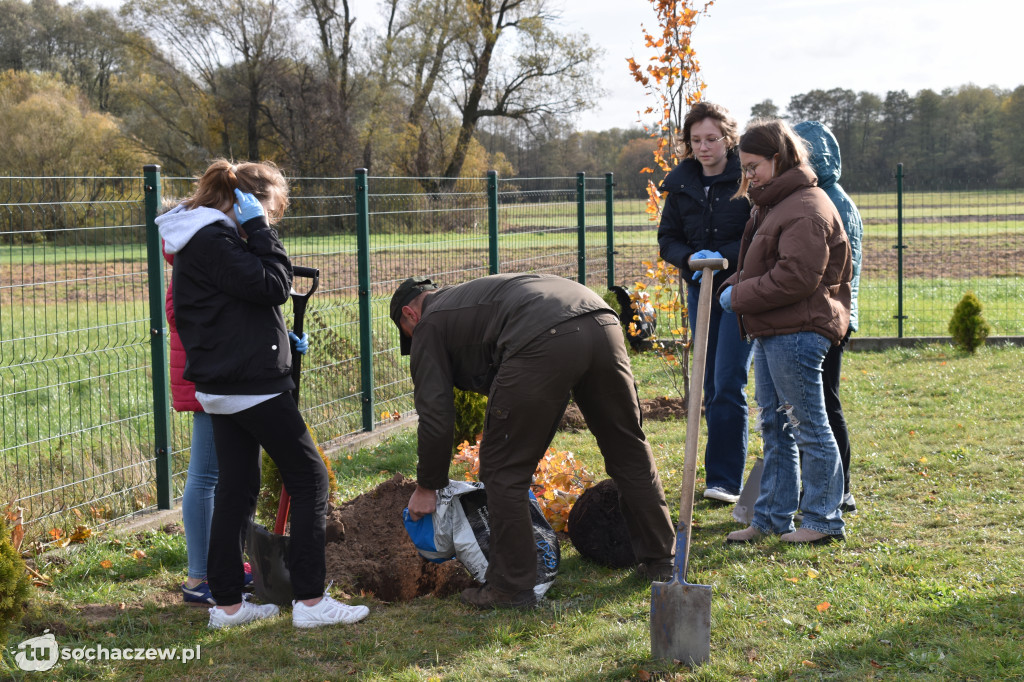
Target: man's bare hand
(422,502)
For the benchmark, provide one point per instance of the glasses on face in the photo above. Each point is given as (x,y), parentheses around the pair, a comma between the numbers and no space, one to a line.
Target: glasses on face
(709,141)
(751,168)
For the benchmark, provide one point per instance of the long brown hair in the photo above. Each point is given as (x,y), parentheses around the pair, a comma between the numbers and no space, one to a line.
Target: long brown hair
(216,187)
(717,113)
(773,139)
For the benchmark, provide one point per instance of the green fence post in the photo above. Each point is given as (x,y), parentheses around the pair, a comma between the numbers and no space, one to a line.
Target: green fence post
(900,246)
(581,227)
(365,307)
(492,221)
(609,224)
(158,338)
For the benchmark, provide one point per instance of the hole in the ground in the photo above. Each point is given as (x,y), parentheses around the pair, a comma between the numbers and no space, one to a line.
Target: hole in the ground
(368,549)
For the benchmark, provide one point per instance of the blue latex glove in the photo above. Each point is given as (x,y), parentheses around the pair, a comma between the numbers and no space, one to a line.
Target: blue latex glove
(725,300)
(299,345)
(247,207)
(701,255)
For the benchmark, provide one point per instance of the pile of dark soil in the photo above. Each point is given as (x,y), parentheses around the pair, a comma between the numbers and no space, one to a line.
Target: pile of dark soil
(651,408)
(663,408)
(368,549)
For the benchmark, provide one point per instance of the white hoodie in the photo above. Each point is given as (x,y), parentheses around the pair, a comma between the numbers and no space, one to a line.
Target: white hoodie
(180,224)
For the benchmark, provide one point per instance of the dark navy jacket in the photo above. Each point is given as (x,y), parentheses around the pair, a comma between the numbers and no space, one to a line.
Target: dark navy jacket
(691,221)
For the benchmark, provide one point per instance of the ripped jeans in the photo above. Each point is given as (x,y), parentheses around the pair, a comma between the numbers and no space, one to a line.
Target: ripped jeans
(791,402)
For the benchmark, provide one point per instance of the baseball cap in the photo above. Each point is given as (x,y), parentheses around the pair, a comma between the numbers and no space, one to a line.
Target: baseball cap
(406,292)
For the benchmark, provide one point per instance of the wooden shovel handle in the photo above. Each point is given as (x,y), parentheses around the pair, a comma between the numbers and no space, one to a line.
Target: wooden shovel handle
(700,349)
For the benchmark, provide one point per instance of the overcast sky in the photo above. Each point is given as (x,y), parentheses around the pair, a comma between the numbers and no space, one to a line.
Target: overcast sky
(752,50)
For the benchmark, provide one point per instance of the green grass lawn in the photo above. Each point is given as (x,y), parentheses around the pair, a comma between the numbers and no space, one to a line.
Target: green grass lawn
(927,585)
(929,304)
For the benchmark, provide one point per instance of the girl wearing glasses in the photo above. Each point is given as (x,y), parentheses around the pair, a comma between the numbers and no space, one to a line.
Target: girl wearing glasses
(704,217)
(792,296)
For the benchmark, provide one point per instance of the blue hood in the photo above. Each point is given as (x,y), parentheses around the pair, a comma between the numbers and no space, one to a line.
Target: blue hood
(824,159)
(824,153)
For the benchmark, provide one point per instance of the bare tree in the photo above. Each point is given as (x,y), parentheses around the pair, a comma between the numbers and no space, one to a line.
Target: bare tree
(234,47)
(333,22)
(514,64)
(457,62)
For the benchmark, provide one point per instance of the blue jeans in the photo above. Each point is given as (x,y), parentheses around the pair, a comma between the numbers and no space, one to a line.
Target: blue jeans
(791,400)
(725,399)
(197,499)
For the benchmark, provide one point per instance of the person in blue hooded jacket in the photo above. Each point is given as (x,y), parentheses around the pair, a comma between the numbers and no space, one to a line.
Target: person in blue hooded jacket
(827,164)
(703,218)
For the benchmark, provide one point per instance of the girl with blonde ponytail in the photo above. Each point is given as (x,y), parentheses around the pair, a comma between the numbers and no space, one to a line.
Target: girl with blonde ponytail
(231,276)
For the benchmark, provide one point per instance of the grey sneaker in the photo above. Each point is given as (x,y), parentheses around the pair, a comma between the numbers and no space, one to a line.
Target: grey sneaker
(248,612)
(745,536)
(806,536)
(721,494)
(327,611)
(848,505)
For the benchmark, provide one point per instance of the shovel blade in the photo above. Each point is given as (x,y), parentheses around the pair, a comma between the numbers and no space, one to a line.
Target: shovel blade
(681,622)
(268,553)
(743,510)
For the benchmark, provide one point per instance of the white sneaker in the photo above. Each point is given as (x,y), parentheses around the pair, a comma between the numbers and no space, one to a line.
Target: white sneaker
(327,611)
(249,612)
(722,495)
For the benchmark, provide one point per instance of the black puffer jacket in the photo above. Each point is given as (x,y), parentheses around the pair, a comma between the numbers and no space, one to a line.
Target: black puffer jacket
(692,221)
(227,296)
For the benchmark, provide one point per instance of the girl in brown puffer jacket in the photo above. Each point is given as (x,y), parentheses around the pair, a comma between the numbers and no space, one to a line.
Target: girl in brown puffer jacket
(791,294)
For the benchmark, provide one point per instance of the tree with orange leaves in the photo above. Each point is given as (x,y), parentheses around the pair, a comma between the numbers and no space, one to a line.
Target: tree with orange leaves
(672,79)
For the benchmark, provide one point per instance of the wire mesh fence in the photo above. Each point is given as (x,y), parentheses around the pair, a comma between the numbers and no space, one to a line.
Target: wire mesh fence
(419,226)
(76,370)
(75,409)
(539,226)
(923,250)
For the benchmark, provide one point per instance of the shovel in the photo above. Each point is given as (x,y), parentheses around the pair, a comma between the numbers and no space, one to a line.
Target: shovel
(269,551)
(681,612)
(744,509)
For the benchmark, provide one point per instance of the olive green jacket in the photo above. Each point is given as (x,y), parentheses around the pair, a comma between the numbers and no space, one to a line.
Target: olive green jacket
(464,334)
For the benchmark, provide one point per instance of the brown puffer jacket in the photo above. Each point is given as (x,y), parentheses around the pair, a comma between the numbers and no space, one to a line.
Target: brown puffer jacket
(794,268)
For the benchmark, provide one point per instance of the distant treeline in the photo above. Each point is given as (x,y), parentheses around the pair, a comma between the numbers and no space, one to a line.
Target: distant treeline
(964,136)
(319,86)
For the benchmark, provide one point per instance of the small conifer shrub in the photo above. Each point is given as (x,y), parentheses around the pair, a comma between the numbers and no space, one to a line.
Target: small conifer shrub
(14,584)
(470,411)
(612,300)
(967,326)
